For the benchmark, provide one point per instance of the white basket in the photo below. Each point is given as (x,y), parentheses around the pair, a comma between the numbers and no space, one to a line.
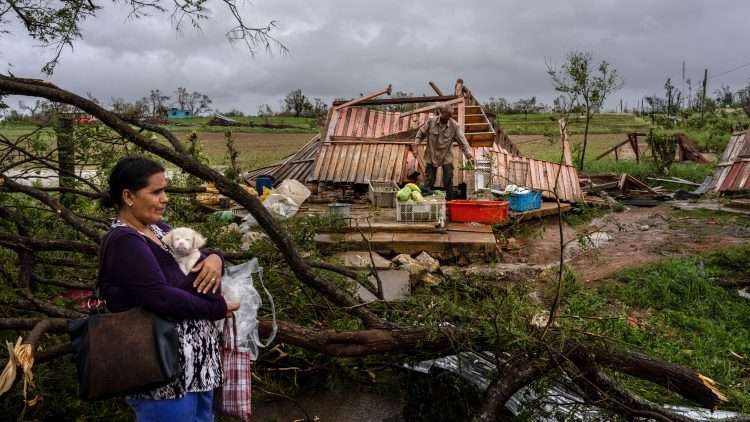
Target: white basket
(418,212)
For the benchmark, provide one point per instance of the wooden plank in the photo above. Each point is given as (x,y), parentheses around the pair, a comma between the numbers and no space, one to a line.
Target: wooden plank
(572,183)
(352,121)
(562,185)
(341,123)
(371,162)
(340,163)
(326,161)
(348,174)
(396,124)
(379,124)
(551,173)
(362,164)
(388,120)
(393,153)
(339,176)
(378,173)
(362,123)
(319,160)
(361,100)
(422,118)
(352,176)
(371,124)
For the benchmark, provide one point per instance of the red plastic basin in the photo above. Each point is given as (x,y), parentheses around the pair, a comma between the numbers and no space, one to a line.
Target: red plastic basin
(488,212)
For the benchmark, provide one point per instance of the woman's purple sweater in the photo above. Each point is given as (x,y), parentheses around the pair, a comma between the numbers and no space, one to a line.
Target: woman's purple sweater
(135,271)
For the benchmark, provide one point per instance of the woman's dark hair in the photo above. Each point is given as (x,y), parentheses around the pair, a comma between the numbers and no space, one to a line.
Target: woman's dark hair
(131,173)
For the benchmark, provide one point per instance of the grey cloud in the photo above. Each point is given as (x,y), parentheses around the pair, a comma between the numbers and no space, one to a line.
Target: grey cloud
(342,48)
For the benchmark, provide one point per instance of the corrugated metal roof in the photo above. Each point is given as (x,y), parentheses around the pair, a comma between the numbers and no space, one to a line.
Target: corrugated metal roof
(297,166)
(360,162)
(732,171)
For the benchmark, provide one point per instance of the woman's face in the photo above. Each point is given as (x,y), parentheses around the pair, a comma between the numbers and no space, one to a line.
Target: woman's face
(148,203)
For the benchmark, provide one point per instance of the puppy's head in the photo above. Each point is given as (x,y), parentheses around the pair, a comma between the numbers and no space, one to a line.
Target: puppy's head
(184,240)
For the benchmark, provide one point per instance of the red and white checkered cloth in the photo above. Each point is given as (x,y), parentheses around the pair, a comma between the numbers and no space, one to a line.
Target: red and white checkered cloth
(234,397)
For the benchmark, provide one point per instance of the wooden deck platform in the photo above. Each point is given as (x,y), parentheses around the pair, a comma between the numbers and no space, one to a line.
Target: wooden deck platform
(471,240)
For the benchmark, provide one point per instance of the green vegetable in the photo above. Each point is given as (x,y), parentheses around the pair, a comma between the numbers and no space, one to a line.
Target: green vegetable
(416,196)
(413,187)
(403,194)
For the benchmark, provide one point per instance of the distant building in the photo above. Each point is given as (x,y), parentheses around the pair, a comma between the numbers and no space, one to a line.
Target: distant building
(176,113)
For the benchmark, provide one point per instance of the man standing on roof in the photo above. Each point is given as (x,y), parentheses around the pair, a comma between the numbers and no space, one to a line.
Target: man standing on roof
(441,131)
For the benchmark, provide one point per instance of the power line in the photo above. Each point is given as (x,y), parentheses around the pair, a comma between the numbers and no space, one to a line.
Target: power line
(730,71)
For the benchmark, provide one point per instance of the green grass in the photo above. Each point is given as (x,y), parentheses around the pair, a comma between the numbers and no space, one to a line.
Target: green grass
(546,124)
(675,310)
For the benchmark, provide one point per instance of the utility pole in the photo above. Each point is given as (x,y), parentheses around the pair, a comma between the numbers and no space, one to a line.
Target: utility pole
(703,101)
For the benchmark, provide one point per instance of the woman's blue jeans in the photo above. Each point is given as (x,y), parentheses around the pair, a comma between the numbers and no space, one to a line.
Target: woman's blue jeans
(192,407)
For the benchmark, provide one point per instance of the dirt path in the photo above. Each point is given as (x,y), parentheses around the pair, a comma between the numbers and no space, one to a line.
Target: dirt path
(633,237)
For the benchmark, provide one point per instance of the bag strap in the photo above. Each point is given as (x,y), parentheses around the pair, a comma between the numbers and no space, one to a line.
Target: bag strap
(97,295)
(230,332)
(274,326)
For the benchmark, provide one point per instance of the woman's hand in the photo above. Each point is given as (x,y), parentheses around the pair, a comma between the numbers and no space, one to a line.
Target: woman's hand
(231,307)
(209,277)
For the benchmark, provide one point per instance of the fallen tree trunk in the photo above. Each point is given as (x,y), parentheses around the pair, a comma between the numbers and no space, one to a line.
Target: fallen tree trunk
(227,187)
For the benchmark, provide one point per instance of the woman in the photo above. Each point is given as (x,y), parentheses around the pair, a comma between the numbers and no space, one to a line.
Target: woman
(139,270)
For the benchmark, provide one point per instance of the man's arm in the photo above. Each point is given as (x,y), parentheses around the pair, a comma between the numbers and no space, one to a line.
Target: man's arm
(422,132)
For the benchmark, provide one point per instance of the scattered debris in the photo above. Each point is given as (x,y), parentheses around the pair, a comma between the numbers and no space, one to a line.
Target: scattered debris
(361,259)
(429,263)
(685,149)
(395,286)
(625,188)
(221,120)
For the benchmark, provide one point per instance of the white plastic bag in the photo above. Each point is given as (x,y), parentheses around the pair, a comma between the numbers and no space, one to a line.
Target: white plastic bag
(293,190)
(237,287)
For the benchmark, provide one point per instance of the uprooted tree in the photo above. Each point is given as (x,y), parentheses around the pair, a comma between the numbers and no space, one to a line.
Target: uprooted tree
(373,329)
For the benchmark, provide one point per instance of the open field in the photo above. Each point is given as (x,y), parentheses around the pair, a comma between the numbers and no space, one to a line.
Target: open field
(256,149)
(546,124)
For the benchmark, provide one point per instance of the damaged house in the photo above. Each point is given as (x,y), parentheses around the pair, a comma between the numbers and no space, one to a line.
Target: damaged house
(364,140)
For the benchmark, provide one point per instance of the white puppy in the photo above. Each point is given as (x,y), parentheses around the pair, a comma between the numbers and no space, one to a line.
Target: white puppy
(185,242)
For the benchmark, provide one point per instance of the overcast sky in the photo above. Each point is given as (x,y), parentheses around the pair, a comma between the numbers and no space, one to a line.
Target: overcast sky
(343,48)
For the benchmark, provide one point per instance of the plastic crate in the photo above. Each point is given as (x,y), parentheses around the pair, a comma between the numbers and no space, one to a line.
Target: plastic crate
(420,212)
(382,193)
(520,202)
(488,212)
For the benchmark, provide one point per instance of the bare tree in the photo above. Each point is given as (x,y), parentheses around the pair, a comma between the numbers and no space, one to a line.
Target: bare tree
(158,102)
(296,102)
(193,102)
(58,24)
(583,84)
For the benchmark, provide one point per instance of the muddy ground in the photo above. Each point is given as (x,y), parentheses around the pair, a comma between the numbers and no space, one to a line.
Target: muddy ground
(635,236)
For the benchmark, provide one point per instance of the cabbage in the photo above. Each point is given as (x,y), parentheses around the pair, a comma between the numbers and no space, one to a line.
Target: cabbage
(404,194)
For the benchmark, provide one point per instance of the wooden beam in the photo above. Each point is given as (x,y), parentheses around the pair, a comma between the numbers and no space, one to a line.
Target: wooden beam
(436,89)
(365,98)
(432,107)
(400,100)
(612,149)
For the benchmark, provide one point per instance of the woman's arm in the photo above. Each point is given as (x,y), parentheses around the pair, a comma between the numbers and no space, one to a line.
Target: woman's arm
(129,256)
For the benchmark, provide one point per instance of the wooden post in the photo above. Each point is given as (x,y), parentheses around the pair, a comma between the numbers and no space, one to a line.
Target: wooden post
(617,158)
(436,89)
(703,101)
(565,143)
